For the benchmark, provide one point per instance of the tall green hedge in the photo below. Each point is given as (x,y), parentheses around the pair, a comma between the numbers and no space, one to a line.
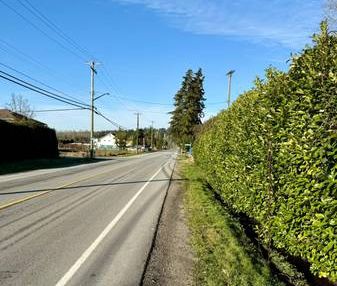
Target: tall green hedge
(26,141)
(273,155)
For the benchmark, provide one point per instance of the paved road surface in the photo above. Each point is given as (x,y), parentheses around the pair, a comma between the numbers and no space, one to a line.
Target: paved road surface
(85,225)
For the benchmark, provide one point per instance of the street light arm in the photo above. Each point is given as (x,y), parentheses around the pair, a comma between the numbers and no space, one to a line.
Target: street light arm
(230,72)
(107,93)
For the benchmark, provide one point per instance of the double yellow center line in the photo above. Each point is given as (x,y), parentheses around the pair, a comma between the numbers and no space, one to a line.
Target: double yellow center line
(7,205)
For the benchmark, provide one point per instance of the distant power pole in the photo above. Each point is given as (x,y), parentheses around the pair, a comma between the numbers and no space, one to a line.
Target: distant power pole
(92,97)
(137,113)
(152,135)
(229,74)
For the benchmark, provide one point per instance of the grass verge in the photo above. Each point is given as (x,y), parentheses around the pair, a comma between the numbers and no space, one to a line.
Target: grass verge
(225,256)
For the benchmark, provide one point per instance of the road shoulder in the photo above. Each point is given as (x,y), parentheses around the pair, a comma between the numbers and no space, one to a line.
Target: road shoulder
(171,261)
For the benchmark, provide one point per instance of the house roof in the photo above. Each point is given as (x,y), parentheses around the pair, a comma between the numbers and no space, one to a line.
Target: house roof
(107,135)
(13,117)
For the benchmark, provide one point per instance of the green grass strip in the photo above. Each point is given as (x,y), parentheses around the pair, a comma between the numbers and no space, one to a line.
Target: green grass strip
(225,256)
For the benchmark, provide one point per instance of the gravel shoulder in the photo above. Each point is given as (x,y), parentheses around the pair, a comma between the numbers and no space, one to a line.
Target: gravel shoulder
(171,261)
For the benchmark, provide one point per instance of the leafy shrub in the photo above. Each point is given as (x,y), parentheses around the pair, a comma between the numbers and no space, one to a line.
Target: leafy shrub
(273,155)
(26,141)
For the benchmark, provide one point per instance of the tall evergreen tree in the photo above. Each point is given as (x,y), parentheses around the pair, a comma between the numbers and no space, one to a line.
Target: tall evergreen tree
(189,105)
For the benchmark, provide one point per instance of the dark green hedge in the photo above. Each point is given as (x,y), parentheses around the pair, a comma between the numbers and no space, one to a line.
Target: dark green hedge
(26,141)
(273,155)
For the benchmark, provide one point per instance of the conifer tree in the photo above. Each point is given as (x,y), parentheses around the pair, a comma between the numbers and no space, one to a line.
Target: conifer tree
(189,105)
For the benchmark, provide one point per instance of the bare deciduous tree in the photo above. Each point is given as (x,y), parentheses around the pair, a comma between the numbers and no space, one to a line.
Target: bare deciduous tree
(20,105)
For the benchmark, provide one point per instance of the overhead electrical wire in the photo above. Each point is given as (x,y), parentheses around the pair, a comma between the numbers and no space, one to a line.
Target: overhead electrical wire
(146,102)
(121,99)
(109,120)
(107,75)
(74,102)
(41,31)
(23,85)
(42,91)
(21,54)
(49,94)
(13,51)
(59,109)
(40,82)
(118,95)
(38,14)
(113,94)
(51,25)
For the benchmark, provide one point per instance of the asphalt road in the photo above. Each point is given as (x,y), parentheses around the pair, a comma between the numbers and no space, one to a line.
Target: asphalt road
(85,225)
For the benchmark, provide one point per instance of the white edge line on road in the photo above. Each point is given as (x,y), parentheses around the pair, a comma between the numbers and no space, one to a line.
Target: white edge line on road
(64,280)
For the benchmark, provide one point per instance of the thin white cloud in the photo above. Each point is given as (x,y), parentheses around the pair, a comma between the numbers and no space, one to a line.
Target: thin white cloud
(287,22)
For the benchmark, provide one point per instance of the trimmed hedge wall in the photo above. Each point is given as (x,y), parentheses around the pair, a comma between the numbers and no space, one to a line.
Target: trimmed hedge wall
(26,141)
(273,156)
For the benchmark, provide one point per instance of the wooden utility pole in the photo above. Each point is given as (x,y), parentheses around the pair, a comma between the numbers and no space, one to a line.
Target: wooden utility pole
(152,135)
(137,132)
(229,74)
(92,98)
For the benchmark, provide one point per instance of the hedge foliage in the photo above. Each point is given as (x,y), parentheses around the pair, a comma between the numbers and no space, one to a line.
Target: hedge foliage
(272,155)
(26,141)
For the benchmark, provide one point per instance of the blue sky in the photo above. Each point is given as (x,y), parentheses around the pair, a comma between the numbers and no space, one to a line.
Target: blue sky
(145,47)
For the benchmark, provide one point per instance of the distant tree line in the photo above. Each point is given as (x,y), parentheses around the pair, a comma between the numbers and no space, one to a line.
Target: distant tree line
(160,138)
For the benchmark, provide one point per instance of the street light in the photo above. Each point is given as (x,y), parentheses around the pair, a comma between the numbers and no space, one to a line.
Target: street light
(92,122)
(229,74)
(107,93)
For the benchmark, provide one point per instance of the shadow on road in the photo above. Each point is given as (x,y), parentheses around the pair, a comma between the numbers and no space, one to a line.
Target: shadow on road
(89,186)
(30,165)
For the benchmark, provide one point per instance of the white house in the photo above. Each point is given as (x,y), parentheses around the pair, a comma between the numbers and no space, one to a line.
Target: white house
(106,142)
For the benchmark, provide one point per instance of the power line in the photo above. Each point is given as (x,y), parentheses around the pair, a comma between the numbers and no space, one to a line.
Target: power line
(110,79)
(40,82)
(25,86)
(59,109)
(33,10)
(118,98)
(37,13)
(23,56)
(113,84)
(43,90)
(39,90)
(113,94)
(109,120)
(146,102)
(40,30)
(157,112)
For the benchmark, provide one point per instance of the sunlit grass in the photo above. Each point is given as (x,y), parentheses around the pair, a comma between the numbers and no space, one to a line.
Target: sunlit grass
(225,255)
